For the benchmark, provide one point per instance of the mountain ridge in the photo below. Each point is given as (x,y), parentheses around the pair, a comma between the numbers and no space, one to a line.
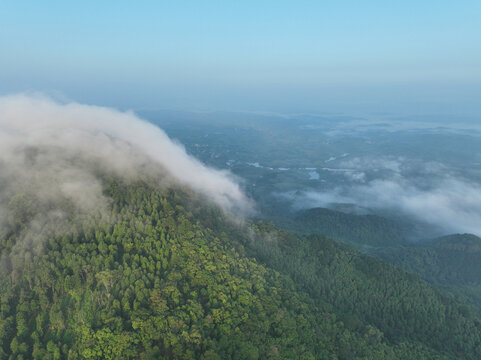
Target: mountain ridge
(172,277)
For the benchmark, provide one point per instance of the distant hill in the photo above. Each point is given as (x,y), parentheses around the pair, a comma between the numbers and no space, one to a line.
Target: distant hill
(451,262)
(448,260)
(356,230)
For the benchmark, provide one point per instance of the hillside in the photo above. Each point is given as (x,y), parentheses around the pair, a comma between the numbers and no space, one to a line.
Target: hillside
(166,276)
(449,261)
(362,231)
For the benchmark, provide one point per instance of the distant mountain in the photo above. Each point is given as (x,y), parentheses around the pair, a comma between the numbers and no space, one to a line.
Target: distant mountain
(357,230)
(448,260)
(364,291)
(451,262)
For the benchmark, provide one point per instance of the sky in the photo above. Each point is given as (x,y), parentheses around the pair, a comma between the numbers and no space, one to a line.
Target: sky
(339,56)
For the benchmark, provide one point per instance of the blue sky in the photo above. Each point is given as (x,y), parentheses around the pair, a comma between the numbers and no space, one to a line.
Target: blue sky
(251,55)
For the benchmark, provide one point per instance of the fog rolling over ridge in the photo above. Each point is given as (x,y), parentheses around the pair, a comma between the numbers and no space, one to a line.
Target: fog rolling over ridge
(52,153)
(423,191)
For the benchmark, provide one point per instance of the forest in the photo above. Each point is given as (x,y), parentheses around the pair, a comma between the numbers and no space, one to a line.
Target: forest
(245,180)
(450,262)
(169,276)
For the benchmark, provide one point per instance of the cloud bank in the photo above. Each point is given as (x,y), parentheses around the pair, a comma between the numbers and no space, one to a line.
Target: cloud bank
(47,150)
(427,192)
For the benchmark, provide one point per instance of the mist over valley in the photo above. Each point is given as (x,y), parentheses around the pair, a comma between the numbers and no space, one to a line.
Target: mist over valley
(255,180)
(427,173)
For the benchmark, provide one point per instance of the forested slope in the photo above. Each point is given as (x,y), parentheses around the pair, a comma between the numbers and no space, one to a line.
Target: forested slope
(448,260)
(364,290)
(452,262)
(169,277)
(357,230)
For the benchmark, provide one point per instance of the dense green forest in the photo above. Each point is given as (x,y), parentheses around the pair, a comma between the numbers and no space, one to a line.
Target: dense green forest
(358,230)
(166,276)
(451,262)
(367,290)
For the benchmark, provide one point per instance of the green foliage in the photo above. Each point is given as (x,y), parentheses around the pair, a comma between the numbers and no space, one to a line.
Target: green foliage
(364,291)
(451,262)
(170,278)
(447,260)
(357,230)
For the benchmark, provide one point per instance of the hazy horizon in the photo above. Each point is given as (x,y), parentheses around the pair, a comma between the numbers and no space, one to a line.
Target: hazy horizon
(349,57)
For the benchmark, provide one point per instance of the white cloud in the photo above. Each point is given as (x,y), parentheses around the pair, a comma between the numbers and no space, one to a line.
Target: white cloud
(449,203)
(48,145)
